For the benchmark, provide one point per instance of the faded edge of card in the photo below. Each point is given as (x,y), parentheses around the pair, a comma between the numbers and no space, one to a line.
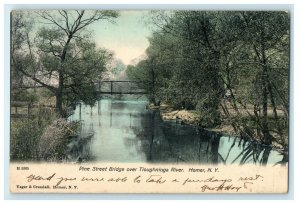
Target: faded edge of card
(146,178)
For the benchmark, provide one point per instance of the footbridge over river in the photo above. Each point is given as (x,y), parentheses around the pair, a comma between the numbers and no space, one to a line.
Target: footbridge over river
(118,87)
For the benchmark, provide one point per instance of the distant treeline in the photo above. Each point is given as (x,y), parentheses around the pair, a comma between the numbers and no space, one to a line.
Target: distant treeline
(232,67)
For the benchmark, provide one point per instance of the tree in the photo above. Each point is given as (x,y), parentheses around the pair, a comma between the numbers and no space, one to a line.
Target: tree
(255,71)
(21,25)
(233,65)
(117,70)
(65,51)
(185,63)
(144,75)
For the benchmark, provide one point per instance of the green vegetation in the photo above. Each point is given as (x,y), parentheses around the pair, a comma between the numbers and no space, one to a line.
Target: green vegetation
(53,141)
(59,55)
(24,136)
(54,63)
(231,67)
(219,68)
(34,139)
(118,68)
(24,95)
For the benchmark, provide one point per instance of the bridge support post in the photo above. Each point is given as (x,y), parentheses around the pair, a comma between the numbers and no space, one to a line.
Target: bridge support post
(80,112)
(128,88)
(111,87)
(99,106)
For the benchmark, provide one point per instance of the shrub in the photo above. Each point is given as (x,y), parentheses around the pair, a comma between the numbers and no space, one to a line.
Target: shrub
(207,109)
(24,95)
(43,137)
(23,139)
(53,141)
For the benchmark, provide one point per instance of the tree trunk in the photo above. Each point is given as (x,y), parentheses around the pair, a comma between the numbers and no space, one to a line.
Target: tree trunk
(276,117)
(59,92)
(59,107)
(59,96)
(265,129)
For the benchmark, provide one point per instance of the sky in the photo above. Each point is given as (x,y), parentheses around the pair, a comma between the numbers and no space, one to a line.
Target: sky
(127,38)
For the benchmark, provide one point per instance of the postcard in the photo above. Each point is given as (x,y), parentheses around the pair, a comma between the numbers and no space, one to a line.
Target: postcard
(149,101)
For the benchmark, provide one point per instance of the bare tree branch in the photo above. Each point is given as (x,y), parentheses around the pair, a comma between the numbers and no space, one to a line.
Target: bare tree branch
(45,15)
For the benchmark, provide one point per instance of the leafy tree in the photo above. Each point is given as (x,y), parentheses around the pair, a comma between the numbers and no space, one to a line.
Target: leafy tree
(262,44)
(21,25)
(118,67)
(181,56)
(230,66)
(65,52)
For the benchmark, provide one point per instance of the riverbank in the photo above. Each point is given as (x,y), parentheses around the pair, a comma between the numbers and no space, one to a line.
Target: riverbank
(191,117)
(37,132)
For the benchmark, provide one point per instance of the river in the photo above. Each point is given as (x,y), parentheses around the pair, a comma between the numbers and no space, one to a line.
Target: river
(121,129)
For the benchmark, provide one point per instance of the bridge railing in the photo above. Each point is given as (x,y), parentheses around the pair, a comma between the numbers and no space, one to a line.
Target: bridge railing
(118,87)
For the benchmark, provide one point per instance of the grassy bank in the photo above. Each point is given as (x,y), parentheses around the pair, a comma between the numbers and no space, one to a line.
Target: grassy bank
(41,138)
(41,135)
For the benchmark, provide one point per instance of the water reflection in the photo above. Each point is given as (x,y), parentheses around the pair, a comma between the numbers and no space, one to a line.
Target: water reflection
(123,130)
(111,122)
(234,150)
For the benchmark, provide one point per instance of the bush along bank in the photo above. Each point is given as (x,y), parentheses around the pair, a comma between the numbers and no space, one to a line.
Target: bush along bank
(41,138)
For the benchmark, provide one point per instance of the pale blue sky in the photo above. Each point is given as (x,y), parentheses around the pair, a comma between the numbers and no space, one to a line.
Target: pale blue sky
(127,38)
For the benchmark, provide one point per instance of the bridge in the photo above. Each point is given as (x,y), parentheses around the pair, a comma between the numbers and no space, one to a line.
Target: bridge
(118,87)
(107,87)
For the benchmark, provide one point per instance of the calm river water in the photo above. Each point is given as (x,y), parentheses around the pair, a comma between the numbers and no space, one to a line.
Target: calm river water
(121,129)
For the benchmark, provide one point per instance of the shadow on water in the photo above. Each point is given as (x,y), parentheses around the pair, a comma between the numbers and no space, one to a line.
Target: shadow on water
(121,129)
(174,142)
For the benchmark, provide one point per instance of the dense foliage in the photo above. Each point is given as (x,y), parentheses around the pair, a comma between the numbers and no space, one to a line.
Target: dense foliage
(232,67)
(57,52)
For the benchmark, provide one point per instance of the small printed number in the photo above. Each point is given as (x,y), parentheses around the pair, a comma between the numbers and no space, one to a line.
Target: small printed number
(23,168)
